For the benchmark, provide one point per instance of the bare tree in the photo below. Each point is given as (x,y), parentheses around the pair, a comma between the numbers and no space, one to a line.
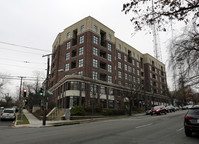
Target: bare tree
(184,55)
(3,81)
(160,12)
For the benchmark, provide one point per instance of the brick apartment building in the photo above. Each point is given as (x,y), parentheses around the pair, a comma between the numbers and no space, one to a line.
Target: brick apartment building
(89,64)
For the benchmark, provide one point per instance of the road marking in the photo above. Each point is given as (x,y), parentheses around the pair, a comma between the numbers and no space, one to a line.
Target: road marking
(143,126)
(180,129)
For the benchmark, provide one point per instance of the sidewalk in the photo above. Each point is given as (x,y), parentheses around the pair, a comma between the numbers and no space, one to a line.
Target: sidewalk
(35,123)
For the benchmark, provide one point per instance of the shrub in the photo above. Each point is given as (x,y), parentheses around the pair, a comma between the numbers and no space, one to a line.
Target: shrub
(88,110)
(77,111)
(99,108)
(109,112)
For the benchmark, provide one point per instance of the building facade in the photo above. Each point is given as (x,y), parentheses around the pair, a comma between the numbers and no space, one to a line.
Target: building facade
(90,65)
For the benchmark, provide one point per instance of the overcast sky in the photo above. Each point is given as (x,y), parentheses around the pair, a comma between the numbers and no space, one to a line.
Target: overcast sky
(36,23)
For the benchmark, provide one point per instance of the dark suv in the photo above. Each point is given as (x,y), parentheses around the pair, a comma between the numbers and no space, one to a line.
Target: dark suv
(158,110)
(191,121)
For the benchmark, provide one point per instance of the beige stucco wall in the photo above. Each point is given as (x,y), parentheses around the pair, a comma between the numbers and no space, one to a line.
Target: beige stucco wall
(89,23)
(148,59)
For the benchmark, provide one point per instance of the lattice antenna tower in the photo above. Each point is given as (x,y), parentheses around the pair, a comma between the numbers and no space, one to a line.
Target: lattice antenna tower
(156,40)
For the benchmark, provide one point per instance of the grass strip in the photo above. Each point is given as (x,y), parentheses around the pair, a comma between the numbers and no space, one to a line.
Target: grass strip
(85,121)
(24,119)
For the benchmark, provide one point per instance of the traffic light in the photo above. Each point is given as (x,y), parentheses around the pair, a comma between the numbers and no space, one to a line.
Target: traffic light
(41,92)
(24,92)
(25,101)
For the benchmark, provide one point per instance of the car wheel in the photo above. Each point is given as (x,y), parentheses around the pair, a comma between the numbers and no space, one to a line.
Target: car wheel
(165,113)
(151,114)
(188,133)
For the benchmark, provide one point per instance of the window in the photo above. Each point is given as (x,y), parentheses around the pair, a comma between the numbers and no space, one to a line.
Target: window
(129,68)
(109,79)
(95,28)
(67,56)
(150,68)
(109,68)
(125,49)
(126,76)
(94,63)
(68,35)
(134,79)
(138,64)
(109,57)
(68,45)
(130,78)
(119,74)
(139,80)
(125,58)
(67,67)
(82,28)
(151,83)
(109,47)
(126,84)
(125,67)
(109,36)
(138,57)
(133,54)
(81,39)
(119,56)
(130,85)
(95,51)
(133,62)
(81,51)
(95,39)
(138,72)
(80,73)
(120,83)
(119,65)
(134,70)
(94,75)
(119,46)
(81,62)
(150,75)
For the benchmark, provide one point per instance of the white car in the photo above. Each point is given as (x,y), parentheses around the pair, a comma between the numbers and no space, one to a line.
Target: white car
(8,114)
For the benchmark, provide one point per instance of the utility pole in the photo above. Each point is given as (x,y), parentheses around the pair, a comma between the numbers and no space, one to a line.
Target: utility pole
(21,99)
(46,88)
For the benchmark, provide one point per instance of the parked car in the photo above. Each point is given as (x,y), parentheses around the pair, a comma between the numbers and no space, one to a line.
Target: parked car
(1,109)
(191,121)
(148,111)
(158,110)
(8,114)
(15,108)
(168,109)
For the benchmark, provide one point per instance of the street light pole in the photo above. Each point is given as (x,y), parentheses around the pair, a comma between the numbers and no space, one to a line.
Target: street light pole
(46,88)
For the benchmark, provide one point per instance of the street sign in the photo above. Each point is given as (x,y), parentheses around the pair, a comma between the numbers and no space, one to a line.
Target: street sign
(51,93)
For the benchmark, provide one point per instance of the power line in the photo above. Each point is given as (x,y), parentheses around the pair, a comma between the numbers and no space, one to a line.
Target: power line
(21,61)
(23,46)
(20,51)
(25,78)
(19,66)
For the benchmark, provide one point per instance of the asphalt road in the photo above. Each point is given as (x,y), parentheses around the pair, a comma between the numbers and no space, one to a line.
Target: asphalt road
(164,129)
(6,124)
